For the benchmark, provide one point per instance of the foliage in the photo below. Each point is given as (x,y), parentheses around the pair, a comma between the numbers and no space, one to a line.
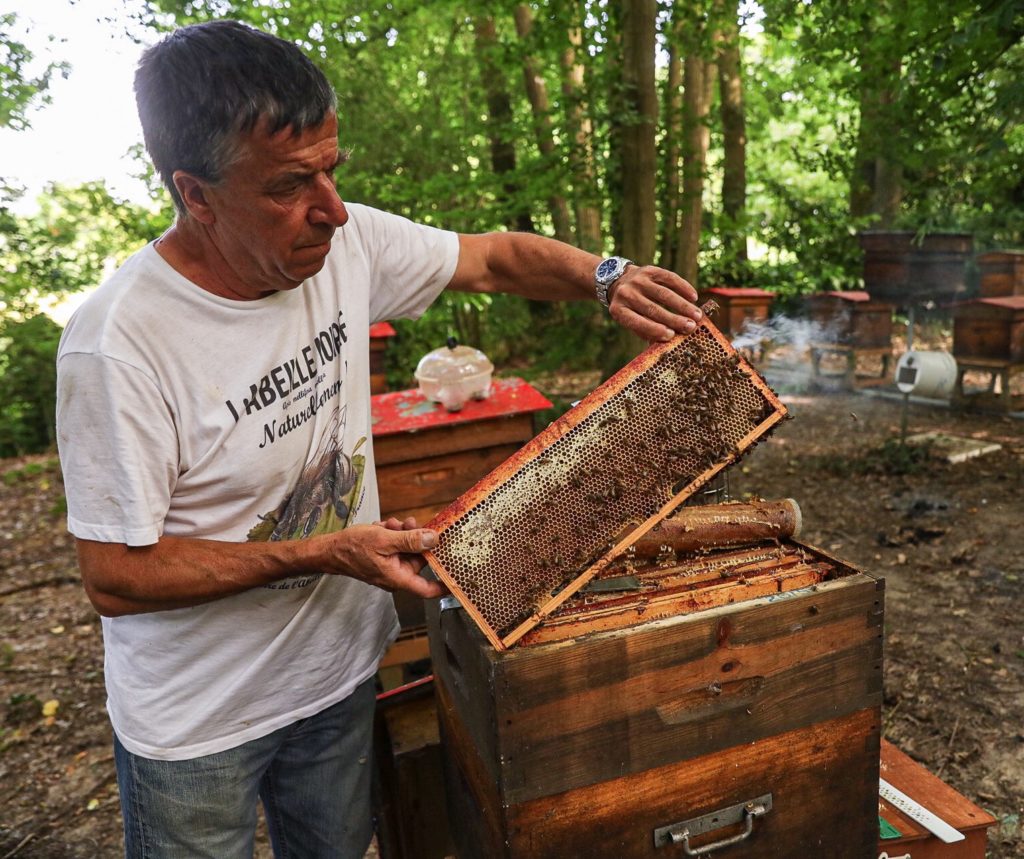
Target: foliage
(70,243)
(27,384)
(20,93)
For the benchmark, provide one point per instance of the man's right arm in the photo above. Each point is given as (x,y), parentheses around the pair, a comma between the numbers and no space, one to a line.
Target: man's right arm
(177,572)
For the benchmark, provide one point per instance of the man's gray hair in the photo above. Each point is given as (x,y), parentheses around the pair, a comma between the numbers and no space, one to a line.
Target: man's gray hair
(202,87)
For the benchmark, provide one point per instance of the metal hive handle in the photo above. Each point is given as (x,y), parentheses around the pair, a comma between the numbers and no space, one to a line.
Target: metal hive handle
(680,833)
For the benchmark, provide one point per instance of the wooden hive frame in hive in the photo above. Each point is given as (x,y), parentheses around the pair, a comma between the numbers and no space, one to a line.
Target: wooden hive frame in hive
(546,521)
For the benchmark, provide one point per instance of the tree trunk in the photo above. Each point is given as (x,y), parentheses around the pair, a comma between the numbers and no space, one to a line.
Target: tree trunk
(876,180)
(639,158)
(581,161)
(698,80)
(734,131)
(537,93)
(673,124)
(499,123)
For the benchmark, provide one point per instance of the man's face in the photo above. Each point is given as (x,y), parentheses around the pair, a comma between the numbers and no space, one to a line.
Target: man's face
(276,209)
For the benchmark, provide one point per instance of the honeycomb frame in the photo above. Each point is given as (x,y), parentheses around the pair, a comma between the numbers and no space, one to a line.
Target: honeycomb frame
(550,518)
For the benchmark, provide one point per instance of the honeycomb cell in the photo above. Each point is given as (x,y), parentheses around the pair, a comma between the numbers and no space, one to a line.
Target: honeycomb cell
(637,447)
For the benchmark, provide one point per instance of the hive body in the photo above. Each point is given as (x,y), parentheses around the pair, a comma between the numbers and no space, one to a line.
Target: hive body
(599,729)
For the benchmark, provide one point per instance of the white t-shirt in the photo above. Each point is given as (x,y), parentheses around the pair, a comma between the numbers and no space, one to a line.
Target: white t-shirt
(183,413)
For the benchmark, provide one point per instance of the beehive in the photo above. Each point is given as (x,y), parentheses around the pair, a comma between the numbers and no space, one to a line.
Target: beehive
(550,518)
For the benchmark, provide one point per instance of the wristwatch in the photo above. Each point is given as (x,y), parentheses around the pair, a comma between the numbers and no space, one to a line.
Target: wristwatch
(608,271)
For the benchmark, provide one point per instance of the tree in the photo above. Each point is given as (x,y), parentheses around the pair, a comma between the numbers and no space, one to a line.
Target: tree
(580,130)
(499,123)
(728,57)
(698,81)
(639,160)
(537,94)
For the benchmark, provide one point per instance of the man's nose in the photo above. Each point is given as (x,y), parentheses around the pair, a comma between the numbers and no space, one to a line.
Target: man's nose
(328,208)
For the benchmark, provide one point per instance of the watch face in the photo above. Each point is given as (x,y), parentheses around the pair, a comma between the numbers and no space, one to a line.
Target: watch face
(607,268)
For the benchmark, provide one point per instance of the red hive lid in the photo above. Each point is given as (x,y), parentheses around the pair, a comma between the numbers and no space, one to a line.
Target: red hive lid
(408,411)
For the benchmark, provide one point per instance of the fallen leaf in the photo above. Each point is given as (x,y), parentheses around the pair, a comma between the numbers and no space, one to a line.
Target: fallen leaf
(93,805)
(56,630)
(51,707)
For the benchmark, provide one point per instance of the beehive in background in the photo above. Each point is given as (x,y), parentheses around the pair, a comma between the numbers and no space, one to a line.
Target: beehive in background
(551,517)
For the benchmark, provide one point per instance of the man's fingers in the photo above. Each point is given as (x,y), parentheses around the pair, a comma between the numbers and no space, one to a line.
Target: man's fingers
(409,524)
(673,281)
(656,295)
(646,307)
(651,331)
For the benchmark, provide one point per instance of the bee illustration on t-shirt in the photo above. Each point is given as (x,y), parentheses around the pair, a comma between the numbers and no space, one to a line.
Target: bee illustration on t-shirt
(326,494)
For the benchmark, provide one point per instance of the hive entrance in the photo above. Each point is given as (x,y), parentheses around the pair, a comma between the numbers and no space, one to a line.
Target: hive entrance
(546,521)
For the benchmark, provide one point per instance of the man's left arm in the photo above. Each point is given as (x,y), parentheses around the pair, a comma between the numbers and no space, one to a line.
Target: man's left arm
(652,302)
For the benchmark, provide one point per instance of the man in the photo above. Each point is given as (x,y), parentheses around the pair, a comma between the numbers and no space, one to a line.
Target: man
(214,431)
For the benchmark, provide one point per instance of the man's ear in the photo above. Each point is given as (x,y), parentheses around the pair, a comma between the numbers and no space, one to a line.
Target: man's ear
(192,191)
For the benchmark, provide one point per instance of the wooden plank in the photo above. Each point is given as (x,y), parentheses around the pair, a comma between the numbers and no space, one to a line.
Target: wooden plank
(474,804)
(731,713)
(422,515)
(403,412)
(426,443)
(668,602)
(410,647)
(553,672)
(438,479)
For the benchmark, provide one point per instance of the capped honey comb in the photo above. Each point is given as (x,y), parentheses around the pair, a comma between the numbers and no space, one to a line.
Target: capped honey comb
(552,516)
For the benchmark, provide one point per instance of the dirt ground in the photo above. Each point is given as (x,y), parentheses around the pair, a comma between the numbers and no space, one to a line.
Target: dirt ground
(947,538)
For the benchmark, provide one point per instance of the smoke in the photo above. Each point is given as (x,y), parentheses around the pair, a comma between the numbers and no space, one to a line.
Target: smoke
(783,332)
(781,349)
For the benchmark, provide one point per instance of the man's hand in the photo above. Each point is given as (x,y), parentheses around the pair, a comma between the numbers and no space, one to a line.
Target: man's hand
(654,303)
(387,555)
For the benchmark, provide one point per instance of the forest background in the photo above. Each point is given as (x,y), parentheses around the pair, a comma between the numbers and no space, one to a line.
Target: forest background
(738,144)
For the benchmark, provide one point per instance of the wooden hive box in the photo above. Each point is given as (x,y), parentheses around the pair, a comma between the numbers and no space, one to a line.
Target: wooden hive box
(852,319)
(1001,273)
(990,329)
(593,736)
(937,797)
(409,797)
(738,306)
(380,334)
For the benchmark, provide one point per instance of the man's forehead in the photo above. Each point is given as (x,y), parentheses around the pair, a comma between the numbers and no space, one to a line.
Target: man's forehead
(286,146)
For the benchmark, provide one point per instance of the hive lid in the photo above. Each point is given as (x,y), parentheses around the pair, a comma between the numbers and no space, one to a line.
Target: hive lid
(551,517)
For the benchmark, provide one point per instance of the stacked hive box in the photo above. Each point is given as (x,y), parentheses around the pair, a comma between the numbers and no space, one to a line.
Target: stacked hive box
(626,719)
(988,333)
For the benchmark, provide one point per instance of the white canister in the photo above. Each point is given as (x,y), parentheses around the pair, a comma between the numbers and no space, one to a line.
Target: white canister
(926,374)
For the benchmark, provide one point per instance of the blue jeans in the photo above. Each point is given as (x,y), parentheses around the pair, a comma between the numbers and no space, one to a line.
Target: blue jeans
(313,778)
